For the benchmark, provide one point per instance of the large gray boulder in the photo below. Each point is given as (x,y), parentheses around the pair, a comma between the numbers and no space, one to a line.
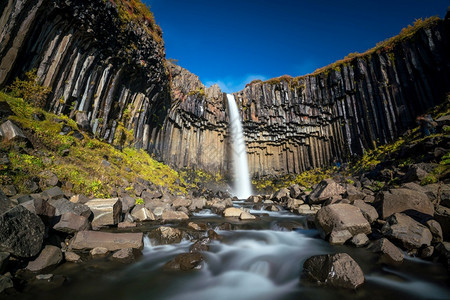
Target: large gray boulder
(41,208)
(21,232)
(335,270)
(71,223)
(405,200)
(325,190)
(340,217)
(86,240)
(49,256)
(10,132)
(170,215)
(64,206)
(368,211)
(409,233)
(106,211)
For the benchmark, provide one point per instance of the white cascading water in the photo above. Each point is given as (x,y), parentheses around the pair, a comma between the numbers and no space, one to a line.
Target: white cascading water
(242,186)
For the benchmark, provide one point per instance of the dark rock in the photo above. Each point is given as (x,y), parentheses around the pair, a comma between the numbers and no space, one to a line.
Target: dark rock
(10,132)
(53,193)
(282,195)
(65,130)
(325,190)
(339,217)
(436,230)
(214,235)
(4,258)
(65,152)
(5,110)
(409,233)
(48,179)
(41,208)
(415,173)
(368,211)
(442,216)
(106,163)
(38,116)
(63,206)
(335,270)
(31,186)
(185,262)
(166,235)
(9,190)
(295,191)
(360,240)
(71,256)
(78,135)
(85,240)
(426,252)
(352,193)
(151,194)
(407,201)
(21,232)
(5,203)
(49,256)
(125,256)
(339,237)
(390,254)
(82,121)
(128,202)
(6,282)
(200,245)
(71,223)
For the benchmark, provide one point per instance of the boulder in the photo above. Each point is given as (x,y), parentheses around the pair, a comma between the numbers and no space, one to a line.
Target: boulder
(339,217)
(85,240)
(99,252)
(352,193)
(390,254)
(82,121)
(232,212)
(79,199)
(305,209)
(368,211)
(167,235)
(281,195)
(71,223)
(294,204)
(5,203)
(126,224)
(4,259)
(141,213)
(10,132)
(181,202)
(53,193)
(41,208)
(106,211)
(151,194)
(414,173)
(254,199)
(196,226)
(169,215)
(200,245)
(326,189)
(334,270)
(49,256)
(405,200)
(246,216)
(197,204)
(436,231)
(442,216)
(185,262)
(125,256)
(48,179)
(128,203)
(71,257)
(63,206)
(360,240)
(21,232)
(218,205)
(409,233)
(295,191)
(339,237)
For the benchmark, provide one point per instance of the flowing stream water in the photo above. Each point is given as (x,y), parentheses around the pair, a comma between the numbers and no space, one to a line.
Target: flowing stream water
(258,259)
(242,187)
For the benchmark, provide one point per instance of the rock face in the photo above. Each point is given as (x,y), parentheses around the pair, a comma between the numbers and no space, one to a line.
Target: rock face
(341,217)
(82,50)
(21,232)
(112,241)
(336,270)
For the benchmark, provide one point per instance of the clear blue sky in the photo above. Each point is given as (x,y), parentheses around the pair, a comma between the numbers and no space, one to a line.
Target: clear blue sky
(231,42)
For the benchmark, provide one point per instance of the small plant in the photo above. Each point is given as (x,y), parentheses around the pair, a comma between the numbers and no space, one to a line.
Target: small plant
(429,180)
(139,201)
(30,89)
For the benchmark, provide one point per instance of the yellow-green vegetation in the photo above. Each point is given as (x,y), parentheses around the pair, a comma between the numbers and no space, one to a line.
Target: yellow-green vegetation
(199,91)
(84,165)
(306,179)
(137,12)
(194,178)
(30,89)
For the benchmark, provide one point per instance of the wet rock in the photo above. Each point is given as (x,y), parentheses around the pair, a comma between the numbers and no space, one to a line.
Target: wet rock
(405,200)
(197,204)
(426,252)
(4,258)
(196,226)
(185,262)
(368,211)
(167,235)
(170,215)
(324,190)
(390,254)
(214,235)
(335,270)
(254,199)
(436,230)
(10,132)
(409,233)
(99,252)
(360,240)
(71,223)
(339,237)
(106,211)
(21,232)
(246,216)
(232,212)
(126,224)
(141,213)
(200,245)
(125,256)
(6,282)
(85,240)
(339,217)
(71,257)
(49,256)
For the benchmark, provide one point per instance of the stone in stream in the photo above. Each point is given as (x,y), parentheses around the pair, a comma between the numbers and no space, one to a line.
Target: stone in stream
(170,215)
(71,257)
(339,237)
(185,262)
(167,235)
(232,212)
(197,204)
(49,256)
(181,202)
(390,254)
(334,270)
(125,256)
(106,211)
(86,240)
(339,217)
(200,245)
(141,213)
(409,233)
(99,252)
(21,232)
(360,240)
(246,216)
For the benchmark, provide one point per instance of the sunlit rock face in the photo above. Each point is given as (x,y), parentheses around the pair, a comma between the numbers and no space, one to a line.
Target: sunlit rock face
(92,62)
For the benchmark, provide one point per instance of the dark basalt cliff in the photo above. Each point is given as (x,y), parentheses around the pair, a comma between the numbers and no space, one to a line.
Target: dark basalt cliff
(113,71)
(95,62)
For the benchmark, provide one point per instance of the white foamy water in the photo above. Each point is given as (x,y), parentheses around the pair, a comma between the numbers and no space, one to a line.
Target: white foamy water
(242,187)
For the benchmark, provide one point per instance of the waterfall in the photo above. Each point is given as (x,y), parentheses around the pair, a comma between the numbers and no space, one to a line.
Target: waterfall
(242,187)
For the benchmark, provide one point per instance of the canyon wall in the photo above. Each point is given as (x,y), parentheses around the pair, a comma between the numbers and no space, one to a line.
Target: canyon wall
(104,60)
